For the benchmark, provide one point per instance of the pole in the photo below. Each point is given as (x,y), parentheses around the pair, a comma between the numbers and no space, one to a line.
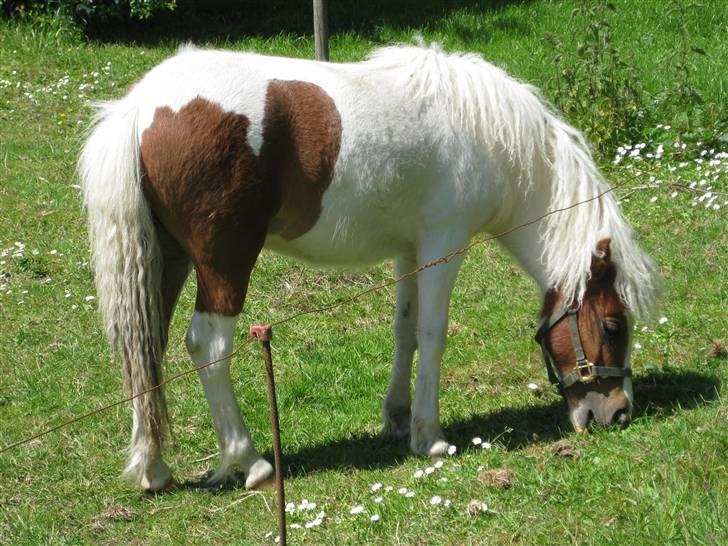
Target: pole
(264,335)
(321,29)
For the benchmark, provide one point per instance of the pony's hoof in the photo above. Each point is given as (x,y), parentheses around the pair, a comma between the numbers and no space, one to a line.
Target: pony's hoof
(153,477)
(428,441)
(260,475)
(396,422)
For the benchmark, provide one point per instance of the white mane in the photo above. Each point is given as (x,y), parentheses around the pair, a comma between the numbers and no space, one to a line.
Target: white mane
(509,117)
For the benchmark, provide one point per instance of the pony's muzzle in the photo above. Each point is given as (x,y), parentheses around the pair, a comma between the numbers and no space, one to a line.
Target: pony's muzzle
(612,409)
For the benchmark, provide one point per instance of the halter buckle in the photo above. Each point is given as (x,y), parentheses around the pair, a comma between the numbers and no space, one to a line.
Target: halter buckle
(585,371)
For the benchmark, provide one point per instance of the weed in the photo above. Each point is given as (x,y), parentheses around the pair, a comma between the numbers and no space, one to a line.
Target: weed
(595,84)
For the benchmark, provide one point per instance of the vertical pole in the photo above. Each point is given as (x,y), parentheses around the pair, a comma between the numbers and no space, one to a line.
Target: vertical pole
(264,334)
(321,29)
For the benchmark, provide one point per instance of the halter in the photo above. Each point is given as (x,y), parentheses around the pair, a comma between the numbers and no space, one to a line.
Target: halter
(584,371)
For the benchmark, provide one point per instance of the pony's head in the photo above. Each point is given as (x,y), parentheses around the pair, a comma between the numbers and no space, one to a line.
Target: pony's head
(586,347)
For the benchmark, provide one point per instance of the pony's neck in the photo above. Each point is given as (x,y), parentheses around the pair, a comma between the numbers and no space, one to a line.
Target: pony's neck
(525,244)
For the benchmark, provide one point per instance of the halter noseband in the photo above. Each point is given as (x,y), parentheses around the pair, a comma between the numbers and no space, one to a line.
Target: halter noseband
(584,371)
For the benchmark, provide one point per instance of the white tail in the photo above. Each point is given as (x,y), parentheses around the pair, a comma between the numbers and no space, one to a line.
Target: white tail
(128,264)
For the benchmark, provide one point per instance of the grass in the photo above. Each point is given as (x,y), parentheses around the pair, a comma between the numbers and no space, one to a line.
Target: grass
(663,480)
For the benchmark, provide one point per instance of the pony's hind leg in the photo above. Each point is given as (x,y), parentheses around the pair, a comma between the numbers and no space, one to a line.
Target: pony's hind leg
(210,342)
(396,408)
(145,466)
(434,287)
(220,296)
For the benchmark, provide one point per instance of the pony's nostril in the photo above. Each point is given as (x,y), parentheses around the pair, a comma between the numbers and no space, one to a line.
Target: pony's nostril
(621,418)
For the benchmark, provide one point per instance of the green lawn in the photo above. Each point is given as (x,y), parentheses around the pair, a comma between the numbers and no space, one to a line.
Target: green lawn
(663,480)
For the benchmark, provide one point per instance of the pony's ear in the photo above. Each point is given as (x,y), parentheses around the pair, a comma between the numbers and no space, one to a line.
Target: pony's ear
(601,264)
(602,251)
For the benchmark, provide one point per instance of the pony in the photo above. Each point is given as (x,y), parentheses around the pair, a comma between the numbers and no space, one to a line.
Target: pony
(214,155)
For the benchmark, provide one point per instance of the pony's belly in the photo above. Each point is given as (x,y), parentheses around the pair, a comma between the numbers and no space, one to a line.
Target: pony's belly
(344,241)
(336,253)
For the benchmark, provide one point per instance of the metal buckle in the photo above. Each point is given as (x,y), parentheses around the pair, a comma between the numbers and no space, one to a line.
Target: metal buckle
(585,371)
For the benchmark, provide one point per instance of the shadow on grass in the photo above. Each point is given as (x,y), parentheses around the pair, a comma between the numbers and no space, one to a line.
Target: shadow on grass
(657,396)
(228,20)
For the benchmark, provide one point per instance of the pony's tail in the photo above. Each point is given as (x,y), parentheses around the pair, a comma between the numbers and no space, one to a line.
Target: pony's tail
(128,264)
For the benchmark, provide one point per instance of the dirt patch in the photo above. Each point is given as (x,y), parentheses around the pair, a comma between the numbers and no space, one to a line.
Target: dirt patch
(476,508)
(563,448)
(500,478)
(718,349)
(113,512)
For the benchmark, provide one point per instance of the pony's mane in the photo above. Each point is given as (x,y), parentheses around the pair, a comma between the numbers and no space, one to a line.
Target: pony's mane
(511,119)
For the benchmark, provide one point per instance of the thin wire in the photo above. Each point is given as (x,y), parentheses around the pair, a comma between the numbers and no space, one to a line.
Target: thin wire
(120,402)
(438,261)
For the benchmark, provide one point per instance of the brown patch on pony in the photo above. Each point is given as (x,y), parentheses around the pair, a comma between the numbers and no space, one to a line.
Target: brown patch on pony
(218,200)
(301,142)
(201,179)
(603,328)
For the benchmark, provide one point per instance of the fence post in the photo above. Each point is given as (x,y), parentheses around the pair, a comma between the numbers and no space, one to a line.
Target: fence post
(321,29)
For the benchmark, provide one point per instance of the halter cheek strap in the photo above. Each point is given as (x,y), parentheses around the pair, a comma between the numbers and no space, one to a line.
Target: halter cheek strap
(584,371)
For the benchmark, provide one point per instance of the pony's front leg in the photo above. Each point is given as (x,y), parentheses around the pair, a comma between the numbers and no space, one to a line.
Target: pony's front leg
(396,408)
(434,286)
(210,339)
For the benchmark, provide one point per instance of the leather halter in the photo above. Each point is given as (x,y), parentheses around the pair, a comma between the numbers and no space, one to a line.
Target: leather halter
(584,371)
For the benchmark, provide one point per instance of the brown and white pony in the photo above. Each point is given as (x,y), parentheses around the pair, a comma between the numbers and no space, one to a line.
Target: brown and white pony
(214,155)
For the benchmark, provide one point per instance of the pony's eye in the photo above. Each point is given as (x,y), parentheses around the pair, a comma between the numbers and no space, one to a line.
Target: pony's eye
(612,326)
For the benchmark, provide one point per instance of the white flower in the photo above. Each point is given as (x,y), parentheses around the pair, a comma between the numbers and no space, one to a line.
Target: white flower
(662,320)
(410,494)
(451,450)
(295,525)
(291,507)
(374,517)
(653,199)
(438,464)
(402,490)
(435,500)
(477,441)
(358,509)
(447,503)
(90,298)
(429,470)
(533,386)
(487,445)
(637,346)
(419,473)
(378,499)
(376,487)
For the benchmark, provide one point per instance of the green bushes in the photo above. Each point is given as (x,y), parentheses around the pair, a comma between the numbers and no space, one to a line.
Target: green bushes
(85,11)
(596,86)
